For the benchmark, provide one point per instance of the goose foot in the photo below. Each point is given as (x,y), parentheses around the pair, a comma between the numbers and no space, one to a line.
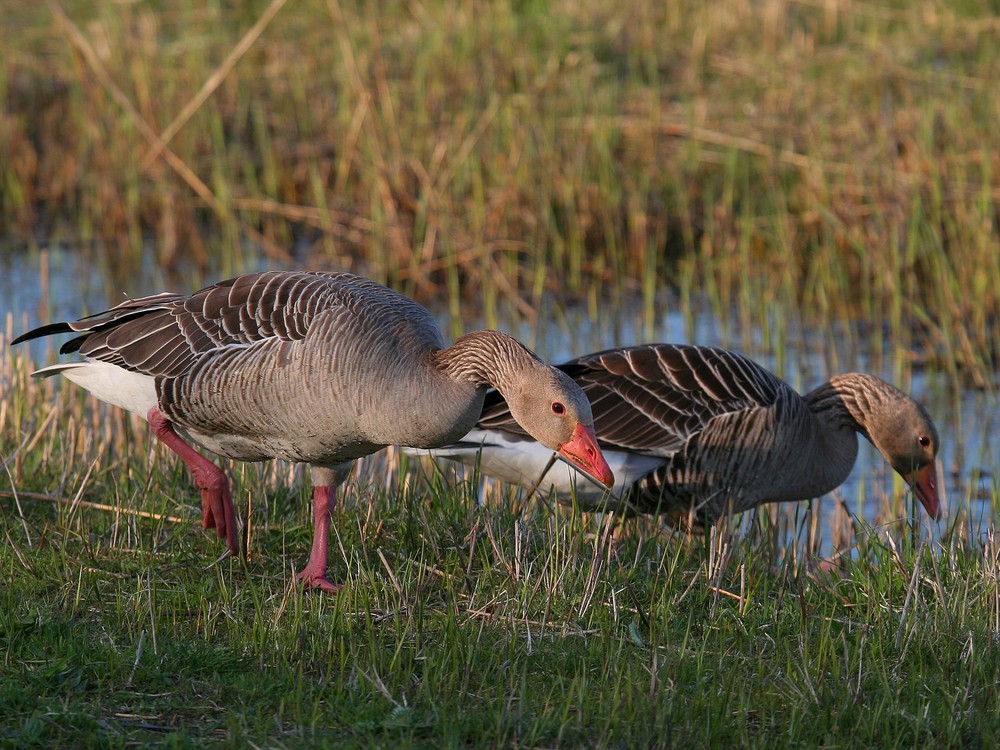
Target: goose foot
(217,509)
(830,568)
(316,579)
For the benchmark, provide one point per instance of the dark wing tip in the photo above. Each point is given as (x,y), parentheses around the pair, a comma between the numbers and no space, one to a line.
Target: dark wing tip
(73,345)
(473,445)
(48,330)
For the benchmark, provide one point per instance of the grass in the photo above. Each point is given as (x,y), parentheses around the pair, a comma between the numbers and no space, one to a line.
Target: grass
(817,159)
(463,627)
(822,175)
(114,645)
(462,624)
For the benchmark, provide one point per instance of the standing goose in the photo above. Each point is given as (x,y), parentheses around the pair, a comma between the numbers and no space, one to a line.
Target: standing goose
(692,429)
(318,368)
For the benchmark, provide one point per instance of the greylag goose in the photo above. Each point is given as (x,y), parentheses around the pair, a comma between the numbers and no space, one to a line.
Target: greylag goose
(694,432)
(318,368)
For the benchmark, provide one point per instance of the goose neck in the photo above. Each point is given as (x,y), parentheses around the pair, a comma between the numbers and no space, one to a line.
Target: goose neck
(486,358)
(842,402)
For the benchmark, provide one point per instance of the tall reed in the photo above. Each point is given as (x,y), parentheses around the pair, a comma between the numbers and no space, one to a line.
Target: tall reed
(833,158)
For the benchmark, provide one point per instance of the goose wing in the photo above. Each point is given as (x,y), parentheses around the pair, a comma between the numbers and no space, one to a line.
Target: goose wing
(164,334)
(652,398)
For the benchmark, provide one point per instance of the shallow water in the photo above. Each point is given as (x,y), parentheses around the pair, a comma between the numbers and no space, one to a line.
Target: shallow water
(967,420)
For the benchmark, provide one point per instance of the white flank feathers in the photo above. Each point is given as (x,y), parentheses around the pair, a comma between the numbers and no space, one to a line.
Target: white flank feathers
(516,460)
(115,385)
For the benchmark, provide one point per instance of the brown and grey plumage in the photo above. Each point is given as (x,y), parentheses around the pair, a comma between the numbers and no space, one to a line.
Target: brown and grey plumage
(319,368)
(693,431)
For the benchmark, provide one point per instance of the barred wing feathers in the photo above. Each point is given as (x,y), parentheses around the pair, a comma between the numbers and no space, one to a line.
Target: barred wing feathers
(652,399)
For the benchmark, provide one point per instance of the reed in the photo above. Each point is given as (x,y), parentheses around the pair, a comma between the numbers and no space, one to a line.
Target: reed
(465,153)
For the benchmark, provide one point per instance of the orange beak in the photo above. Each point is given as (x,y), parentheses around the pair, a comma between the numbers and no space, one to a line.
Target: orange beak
(582,451)
(924,484)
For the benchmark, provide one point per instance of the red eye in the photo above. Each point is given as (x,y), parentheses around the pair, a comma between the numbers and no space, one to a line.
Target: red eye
(558,408)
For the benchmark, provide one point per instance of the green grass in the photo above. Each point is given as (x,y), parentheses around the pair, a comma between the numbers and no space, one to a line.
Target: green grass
(461,625)
(468,627)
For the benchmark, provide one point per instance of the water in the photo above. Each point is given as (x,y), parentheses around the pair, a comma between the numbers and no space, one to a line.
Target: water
(967,420)
(74,286)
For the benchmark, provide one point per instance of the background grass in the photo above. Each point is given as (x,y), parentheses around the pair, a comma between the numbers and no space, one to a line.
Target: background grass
(821,175)
(834,158)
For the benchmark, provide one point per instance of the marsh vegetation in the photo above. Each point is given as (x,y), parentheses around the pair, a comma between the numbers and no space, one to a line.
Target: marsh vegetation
(812,183)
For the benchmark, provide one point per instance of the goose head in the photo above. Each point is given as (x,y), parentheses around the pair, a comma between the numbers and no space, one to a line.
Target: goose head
(904,434)
(555,412)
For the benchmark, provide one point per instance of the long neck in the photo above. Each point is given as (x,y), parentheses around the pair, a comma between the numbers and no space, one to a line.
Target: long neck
(485,358)
(848,401)
(824,441)
(842,407)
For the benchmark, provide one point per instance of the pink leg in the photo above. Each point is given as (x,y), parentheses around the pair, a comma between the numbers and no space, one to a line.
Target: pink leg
(325,483)
(314,573)
(216,501)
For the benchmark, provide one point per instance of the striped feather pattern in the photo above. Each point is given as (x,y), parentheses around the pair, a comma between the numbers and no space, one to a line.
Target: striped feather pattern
(729,433)
(164,334)
(318,368)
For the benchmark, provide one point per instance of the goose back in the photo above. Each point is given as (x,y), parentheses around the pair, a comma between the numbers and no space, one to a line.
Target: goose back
(652,399)
(290,365)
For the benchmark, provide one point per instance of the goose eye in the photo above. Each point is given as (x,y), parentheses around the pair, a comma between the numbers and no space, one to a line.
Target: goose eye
(558,408)
(924,440)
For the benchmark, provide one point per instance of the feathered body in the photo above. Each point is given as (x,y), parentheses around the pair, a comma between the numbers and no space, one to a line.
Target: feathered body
(697,432)
(319,368)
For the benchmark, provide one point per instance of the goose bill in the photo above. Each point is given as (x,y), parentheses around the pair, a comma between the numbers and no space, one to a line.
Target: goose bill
(924,482)
(582,451)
